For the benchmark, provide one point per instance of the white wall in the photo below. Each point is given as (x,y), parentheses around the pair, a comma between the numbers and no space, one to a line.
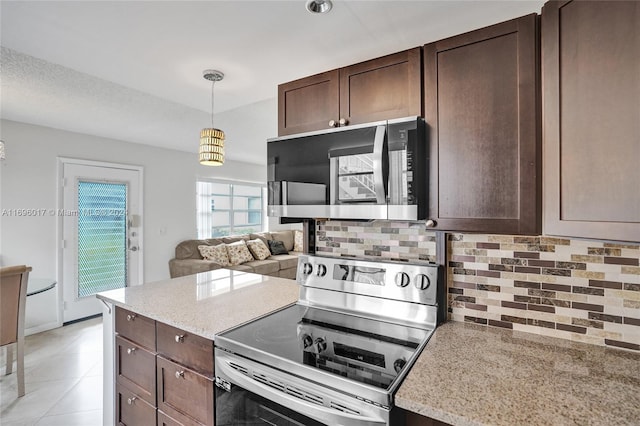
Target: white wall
(28,180)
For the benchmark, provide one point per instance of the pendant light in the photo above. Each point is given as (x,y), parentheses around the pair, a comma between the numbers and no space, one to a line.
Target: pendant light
(212,139)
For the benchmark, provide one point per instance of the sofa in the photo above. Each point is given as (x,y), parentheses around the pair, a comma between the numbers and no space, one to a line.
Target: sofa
(189,260)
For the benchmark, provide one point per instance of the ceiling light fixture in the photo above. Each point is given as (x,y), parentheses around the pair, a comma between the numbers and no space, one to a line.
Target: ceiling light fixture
(211,139)
(319,6)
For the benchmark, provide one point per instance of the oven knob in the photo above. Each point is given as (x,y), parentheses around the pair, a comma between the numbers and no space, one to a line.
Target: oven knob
(307,341)
(398,364)
(422,282)
(307,268)
(322,270)
(402,279)
(320,345)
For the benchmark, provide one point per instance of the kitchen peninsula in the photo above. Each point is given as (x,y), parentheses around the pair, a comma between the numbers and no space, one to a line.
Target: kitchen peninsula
(467,375)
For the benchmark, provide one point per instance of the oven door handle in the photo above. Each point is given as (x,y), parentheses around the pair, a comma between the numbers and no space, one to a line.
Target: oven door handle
(320,413)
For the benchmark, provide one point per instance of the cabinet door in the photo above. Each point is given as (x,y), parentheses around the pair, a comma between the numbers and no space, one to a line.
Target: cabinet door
(308,104)
(184,394)
(482,109)
(591,94)
(136,369)
(383,88)
(131,410)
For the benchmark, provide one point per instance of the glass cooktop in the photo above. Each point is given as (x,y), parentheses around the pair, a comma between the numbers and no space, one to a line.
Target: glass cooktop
(364,350)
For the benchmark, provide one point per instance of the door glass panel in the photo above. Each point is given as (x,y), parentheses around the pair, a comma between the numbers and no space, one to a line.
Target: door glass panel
(102,237)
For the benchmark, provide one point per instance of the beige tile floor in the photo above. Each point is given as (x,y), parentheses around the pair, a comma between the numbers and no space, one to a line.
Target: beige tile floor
(63,379)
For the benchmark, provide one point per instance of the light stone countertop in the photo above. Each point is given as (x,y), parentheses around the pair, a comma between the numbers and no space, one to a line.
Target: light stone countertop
(207,303)
(474,375)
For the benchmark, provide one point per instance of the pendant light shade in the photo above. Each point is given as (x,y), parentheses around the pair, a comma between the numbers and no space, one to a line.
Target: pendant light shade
(212,147)
(211,151)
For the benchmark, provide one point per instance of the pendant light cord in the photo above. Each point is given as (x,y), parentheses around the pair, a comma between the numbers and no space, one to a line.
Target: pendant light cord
(212,87)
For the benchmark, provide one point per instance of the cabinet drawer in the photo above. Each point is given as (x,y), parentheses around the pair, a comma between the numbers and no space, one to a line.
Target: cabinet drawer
(165,420)
(136,369)
(186,348)
(131,410)
(136,328)
(184,394)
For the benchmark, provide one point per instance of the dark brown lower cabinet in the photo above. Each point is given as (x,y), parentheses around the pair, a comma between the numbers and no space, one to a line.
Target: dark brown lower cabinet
(183,394)
(131,409)
(413,419)
(164,420)
(136,369)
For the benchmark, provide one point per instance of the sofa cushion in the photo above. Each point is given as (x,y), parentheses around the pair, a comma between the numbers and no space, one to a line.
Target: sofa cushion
(287,261)
(285,236)
(264,267)
(238,253)
(243,268)
(216,253)
(264,236)
(258,249)
(277,247)
(189,249)
(214,241)
(235,239)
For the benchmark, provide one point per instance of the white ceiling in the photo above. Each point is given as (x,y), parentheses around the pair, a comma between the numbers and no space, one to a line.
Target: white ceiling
(132,70)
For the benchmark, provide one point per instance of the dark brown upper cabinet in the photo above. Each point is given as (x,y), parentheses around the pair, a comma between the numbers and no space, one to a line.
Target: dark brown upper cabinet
(482,108)
(591,96)
(379,89)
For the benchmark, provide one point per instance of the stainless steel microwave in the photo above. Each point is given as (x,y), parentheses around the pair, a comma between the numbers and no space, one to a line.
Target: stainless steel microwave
(370,171)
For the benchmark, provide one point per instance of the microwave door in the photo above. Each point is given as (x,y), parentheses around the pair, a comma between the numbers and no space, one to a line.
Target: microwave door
(357,174)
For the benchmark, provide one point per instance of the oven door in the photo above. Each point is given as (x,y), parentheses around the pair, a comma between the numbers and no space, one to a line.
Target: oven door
(240,407)
(250,393)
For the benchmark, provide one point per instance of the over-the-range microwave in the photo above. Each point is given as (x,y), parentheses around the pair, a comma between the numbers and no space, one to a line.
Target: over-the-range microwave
(367,171)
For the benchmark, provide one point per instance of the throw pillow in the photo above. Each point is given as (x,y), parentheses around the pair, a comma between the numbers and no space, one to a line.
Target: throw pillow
(238,253)
(298,243)
(277,247)
(258,249)
(216,253)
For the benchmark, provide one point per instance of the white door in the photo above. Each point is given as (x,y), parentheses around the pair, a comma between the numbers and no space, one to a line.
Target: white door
(101,233)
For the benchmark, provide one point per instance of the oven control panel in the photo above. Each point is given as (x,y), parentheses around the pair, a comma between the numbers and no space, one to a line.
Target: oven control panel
(399,281)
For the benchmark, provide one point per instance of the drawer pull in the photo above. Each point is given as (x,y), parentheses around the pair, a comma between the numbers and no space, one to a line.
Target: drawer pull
(179,338)
(131,317)
(131,350)
(131,400)
(180,374)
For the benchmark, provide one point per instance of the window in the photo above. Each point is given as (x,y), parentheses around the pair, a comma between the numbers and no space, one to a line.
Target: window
(225,208)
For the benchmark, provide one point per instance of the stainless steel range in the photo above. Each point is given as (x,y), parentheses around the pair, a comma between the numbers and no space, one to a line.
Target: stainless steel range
(337,356)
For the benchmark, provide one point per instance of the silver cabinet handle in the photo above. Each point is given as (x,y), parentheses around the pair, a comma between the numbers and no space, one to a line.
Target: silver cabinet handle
(179,338)
(431,223)
(180,374)
(333,123)
(131,317)
(343,121)
(131,400)
(131,350)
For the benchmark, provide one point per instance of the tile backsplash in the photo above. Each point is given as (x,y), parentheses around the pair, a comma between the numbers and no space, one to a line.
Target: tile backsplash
(376,240)
(574,289)
(581,290)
